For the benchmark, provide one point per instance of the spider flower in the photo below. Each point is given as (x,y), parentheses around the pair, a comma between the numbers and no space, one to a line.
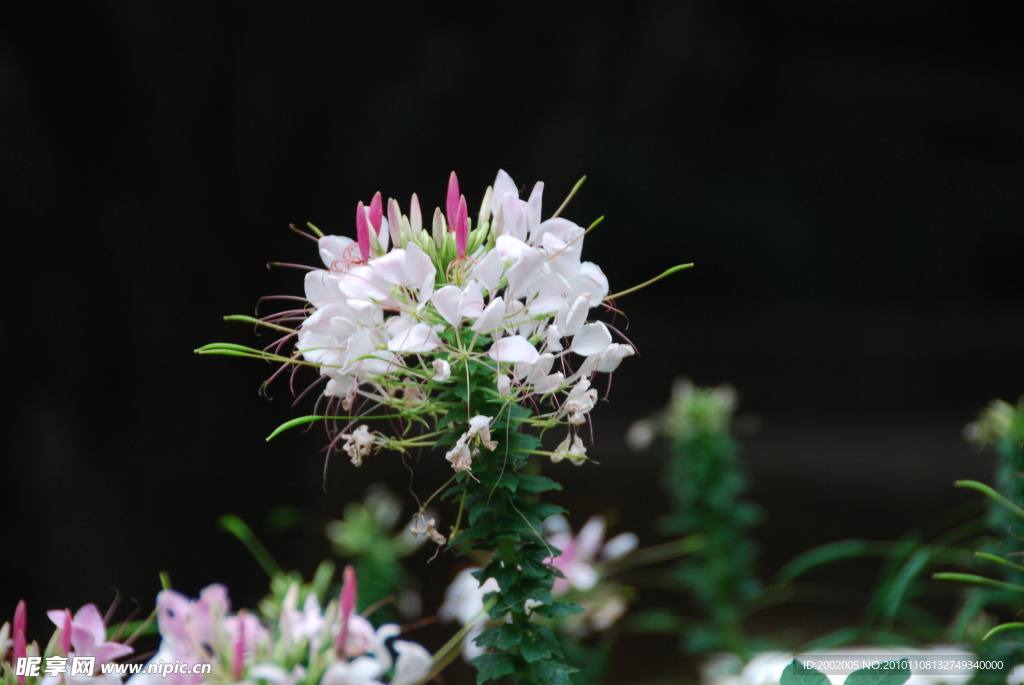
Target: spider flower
(399,314)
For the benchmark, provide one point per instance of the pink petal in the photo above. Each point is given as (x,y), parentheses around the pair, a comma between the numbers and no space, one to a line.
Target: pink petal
(109,651)
(362,232)
(89,617)
(512,349)
(65,632)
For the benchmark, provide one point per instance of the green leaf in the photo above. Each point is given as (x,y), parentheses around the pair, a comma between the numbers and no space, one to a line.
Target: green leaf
(798,674)
(553,673)
(543,511)
(505,575)
(557,609)
(889,673)
(509,636)
(492,666)
(532,485)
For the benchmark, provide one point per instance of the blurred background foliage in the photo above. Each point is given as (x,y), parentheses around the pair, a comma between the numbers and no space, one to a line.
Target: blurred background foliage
(848,179)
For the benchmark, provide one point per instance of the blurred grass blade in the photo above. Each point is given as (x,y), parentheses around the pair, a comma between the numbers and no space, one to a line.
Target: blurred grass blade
(1001,628)
(243,532)
(982,488)
(978,580)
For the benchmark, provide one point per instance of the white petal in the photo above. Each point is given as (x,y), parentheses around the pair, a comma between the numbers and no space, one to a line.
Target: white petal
(332,248)
(489,270)
(522,274)
(514,215)
(491,317)
(550,384)
(571,322)
(592,280)
(590,537)
(391,267)
(502,184)
(419,338)
(512,349)
(563,257)
(509,248)
(619,545)
(533,207)
(558,226)
(613,356)
(384,235)
(592,339)
(420,271)
(547,294)
(321,288)
(471,302)
(446,301)
(363,283)
(581,576)
(413,663)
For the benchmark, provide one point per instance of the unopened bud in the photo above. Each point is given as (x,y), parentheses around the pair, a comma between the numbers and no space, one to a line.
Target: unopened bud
(415,215)
(485,207)
(439,227)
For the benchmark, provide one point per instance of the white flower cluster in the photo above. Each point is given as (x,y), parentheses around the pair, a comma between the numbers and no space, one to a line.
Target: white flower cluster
(395,309)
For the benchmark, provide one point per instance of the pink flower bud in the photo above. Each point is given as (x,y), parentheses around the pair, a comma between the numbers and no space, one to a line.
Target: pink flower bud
(362,232)
(461,227)
(348,604)
(65,633)
(240,648)
(376,211)
(453,201)
(20,624)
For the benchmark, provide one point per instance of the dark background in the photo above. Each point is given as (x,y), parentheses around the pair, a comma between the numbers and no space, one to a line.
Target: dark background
(848,178)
